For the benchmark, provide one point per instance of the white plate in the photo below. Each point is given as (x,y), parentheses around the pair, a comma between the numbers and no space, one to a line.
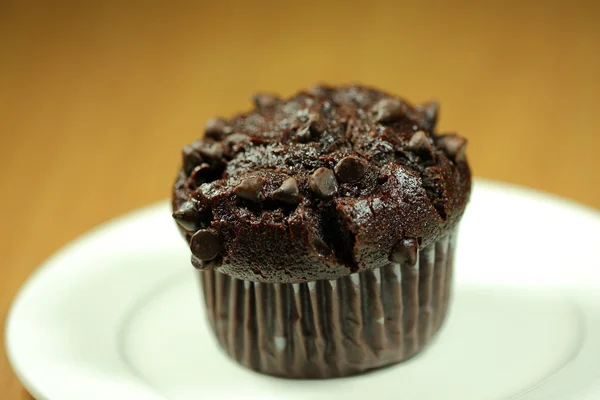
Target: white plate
(117,315)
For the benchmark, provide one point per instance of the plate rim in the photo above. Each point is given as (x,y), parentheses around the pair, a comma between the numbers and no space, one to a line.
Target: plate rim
(53,261)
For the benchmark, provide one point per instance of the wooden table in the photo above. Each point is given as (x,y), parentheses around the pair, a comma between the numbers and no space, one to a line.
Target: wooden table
(96,101)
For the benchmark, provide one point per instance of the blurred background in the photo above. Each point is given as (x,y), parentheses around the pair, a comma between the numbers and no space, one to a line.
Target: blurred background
(97,98)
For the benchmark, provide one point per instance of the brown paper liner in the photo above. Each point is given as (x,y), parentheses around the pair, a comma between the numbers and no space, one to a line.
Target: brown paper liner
(332,328)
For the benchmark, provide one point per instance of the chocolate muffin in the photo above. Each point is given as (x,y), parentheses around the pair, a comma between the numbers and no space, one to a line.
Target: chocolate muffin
(323,229)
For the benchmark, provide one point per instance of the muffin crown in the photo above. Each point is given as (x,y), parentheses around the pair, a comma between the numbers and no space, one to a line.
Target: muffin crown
(329,182)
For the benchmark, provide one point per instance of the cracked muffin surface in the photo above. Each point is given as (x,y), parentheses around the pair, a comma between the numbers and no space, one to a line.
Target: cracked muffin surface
(328,182)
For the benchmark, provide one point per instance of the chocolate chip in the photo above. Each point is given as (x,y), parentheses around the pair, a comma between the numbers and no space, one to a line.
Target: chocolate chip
(429,114)
(455,146)
(234,143)
(202,265)
(323,182)
(315,123)
(350,169)
(311,128)
(250,189)
(388,110)
(405,252)
(326,108)
(287,192)
(419,143)
(264,100)
(205,244)
(321,248)
(191,158)
(201,174)
(211,150)
(216,128)
(319,90)
(187,216)
(303,134)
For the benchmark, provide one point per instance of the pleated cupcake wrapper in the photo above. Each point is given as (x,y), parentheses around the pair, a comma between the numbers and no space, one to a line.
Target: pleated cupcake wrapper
(332,328)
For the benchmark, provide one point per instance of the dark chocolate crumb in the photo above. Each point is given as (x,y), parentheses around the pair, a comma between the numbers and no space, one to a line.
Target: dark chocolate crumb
(323,182)
(205,244)
(350,169)
(288,192)
(405,252)
(250,189)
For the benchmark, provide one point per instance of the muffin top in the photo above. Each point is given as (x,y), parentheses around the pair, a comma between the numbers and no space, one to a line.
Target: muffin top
(331,181)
